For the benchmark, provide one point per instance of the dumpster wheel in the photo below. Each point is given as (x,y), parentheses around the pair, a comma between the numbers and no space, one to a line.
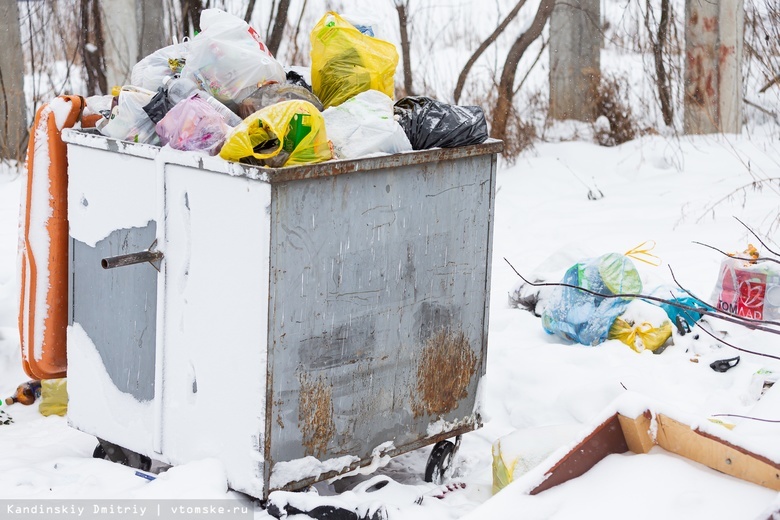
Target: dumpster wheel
(439,467)
(111,452)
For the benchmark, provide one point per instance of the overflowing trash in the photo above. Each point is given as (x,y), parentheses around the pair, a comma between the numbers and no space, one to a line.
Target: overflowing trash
(223,93)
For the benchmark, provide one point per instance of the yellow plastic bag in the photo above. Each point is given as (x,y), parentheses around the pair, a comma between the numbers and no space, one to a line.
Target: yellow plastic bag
(283,134)
(346,62)
(640,336)
(54,397)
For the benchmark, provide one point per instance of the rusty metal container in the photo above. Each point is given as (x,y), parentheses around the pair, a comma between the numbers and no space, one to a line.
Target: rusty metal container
(294,323)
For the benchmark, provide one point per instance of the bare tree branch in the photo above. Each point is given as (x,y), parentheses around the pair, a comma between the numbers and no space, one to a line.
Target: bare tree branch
(482,48)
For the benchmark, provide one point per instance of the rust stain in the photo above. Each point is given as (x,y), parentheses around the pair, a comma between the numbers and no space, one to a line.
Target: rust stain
(444,372)
(710,23)
(724,52)
(315,414)
(694,17)
(710,89)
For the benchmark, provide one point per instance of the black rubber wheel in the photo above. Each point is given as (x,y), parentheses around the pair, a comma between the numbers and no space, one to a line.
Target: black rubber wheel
(439,462)
(99,452)
(114,453)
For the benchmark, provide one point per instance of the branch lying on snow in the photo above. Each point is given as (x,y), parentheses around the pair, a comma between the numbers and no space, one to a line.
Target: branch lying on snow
(745,322)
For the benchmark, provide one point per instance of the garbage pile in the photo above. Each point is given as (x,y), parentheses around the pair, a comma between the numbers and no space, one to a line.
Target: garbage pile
(223,93)
(596,301)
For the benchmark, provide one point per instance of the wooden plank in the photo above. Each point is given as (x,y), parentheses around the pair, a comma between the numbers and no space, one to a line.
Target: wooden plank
(605,439)
(637,432)
(716,453)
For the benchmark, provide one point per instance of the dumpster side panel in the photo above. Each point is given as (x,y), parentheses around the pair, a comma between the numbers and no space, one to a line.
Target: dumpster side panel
(378,307)
(111,338)
(216,246)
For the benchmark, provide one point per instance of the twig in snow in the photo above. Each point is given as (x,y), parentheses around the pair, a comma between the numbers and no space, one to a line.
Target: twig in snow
(745,258)
(757,237)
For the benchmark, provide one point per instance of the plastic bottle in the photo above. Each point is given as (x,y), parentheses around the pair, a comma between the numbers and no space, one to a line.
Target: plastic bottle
(181,88)
(26,393)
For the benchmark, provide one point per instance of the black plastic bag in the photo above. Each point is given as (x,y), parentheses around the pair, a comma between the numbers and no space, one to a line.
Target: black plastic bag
(430,124)
(158,106)
(293,78)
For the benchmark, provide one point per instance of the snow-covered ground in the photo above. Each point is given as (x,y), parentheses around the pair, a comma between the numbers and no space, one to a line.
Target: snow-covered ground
(653,188)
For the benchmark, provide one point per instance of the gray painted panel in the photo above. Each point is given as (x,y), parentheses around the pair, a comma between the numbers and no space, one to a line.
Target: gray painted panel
(118,307)
(377,326)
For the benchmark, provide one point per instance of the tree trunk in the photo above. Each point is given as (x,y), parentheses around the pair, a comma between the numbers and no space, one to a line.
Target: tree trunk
(151,29)
(506,84)
(663,82)
(575,62)
(120,36)
(190,17)
(250,8)
(277,31)
(403,22)
(91,45)
(13,113)
(713,57)
(482,48)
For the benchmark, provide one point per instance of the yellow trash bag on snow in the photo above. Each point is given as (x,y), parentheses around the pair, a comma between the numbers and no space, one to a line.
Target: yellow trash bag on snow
(346,62)
(54,397)
(642,326)
(283,134)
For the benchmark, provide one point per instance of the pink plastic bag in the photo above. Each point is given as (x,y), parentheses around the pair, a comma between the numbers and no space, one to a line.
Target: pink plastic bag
(193,124)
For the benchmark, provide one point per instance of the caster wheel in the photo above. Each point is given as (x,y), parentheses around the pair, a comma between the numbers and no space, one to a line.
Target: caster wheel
(439,467)
(109,451)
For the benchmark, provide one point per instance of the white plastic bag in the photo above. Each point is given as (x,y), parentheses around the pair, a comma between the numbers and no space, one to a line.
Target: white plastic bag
(128,120)
(228,59)
(364,125)
(151,70)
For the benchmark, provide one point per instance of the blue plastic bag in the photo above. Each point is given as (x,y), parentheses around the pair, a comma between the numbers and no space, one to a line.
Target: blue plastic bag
(583,317)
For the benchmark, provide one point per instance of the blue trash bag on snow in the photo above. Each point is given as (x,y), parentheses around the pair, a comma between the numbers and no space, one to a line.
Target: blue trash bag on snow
(584,317)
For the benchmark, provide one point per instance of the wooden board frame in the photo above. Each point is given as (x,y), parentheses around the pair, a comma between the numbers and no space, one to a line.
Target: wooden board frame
(620,434)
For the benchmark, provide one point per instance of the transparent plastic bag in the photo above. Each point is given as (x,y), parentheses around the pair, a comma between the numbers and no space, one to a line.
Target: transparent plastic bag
(346,62)
(364,125)
(750,289)
(193,124)
(586,318)
(228,59)
(284,134)
(151,70)
(128,120)
(273,93)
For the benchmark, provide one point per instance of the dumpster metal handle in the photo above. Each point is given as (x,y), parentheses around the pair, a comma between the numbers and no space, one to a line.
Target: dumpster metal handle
(140,257)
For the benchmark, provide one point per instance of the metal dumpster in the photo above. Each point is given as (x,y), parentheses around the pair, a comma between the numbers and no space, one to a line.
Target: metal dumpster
(294,323)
